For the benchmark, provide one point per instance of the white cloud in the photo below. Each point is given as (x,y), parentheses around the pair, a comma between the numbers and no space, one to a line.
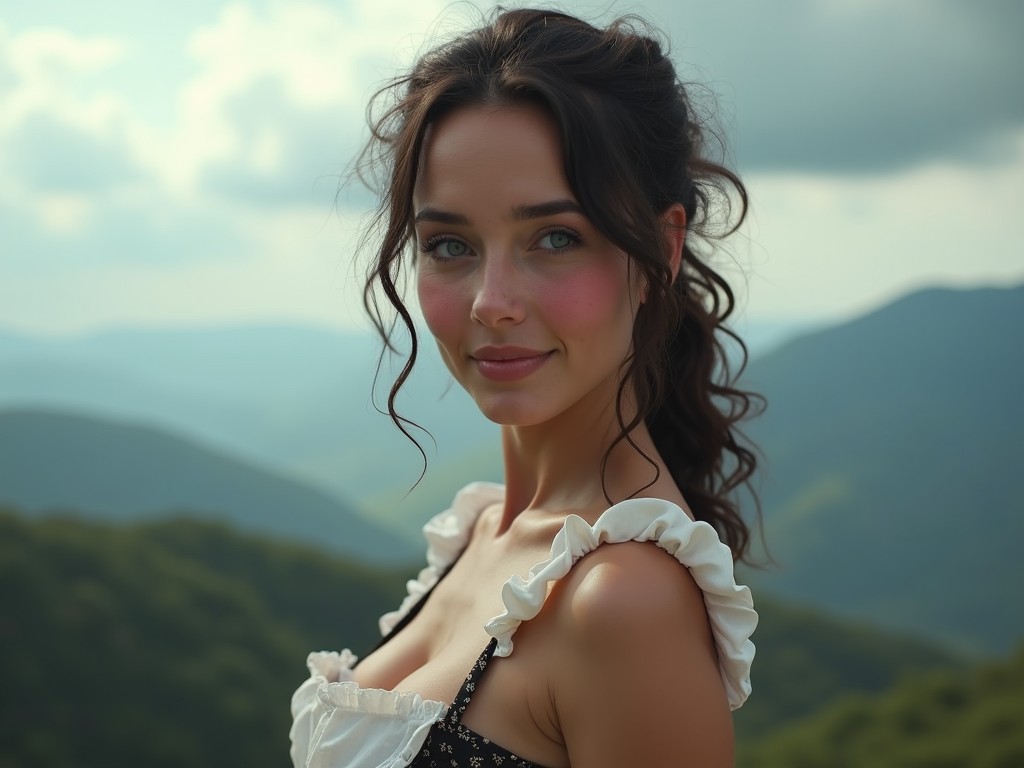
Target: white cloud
(836,246)
(55,56)
(67,137)
(307,61)
(62,215)
(297,268)
(321,60)
(107,218)
(133,190)
(56,73)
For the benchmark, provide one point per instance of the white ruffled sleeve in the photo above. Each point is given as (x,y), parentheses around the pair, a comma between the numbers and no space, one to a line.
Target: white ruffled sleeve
(694,544)
(447,534)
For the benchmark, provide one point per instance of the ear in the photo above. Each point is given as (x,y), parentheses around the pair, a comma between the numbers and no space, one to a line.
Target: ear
(673,222)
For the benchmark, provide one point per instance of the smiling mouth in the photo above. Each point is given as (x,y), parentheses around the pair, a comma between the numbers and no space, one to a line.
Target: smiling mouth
(509,365)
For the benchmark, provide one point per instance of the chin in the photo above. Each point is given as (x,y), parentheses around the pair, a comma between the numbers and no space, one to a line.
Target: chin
(506,412)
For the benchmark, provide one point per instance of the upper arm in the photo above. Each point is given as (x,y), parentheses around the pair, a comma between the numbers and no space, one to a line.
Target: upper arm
(636,680)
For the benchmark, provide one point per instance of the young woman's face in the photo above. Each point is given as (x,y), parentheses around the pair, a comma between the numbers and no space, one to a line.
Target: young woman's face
(532,308)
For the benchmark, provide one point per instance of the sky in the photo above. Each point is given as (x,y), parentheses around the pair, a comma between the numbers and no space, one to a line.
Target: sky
(179,164)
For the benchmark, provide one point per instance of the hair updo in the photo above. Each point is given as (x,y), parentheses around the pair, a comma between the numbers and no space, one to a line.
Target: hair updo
(632,148)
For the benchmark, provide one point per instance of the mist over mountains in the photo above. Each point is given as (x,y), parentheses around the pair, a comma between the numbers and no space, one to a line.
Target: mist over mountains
(60,462)
(292,399)
(890,485)
(890,446)
(296,400)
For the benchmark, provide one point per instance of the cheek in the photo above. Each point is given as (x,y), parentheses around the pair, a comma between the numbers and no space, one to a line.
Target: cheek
(589,302)
(440,306)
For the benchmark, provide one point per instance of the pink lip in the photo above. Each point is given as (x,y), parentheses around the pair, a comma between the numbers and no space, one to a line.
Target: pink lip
(508,363)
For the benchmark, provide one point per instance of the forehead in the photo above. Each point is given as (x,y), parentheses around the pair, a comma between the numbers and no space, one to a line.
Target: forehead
(515,149)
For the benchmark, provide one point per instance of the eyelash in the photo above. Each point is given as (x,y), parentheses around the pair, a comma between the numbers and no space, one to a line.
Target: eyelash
(574,239)
(431,244)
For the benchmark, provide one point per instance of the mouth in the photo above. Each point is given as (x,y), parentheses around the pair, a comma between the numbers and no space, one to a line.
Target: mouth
(506,354)
(509,363)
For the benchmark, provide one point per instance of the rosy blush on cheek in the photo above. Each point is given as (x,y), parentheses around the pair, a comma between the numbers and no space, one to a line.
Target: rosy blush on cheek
(444,320)
(439,306)
(588,303)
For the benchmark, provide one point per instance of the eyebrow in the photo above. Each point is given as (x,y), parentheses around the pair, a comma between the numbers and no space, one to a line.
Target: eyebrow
(441,217)
(519,213)
(539,211)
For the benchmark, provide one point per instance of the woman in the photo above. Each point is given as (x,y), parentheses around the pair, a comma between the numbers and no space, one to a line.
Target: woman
(551,179)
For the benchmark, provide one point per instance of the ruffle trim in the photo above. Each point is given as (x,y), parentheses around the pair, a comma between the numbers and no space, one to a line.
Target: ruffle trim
(331,665)
(447,534)
(333,718)
(329,673)
(406,705)
(694,544)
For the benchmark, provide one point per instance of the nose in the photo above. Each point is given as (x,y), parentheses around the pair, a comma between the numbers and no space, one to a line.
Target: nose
(498,298)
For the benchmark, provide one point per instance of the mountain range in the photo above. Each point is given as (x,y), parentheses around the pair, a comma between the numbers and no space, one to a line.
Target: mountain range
(294,399)
(105,470)
(291,398)
(891,448)
(889,445)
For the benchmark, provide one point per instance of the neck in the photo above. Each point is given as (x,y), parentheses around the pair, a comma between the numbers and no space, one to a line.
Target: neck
(556,467)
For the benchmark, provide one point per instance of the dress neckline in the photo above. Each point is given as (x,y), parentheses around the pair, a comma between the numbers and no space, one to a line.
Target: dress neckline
(695,544)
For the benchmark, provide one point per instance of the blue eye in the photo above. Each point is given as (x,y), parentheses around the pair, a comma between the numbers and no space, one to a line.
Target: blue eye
(558,241)
(451,249)
(444,248)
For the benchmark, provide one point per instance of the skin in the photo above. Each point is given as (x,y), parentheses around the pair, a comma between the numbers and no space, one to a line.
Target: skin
(619,667)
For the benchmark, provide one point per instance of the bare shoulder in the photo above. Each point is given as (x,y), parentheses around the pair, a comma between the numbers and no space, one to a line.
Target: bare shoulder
(619,585)
(637,678)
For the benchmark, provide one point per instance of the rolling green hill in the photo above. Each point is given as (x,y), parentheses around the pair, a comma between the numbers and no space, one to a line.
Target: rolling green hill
(52,461)
(165,644)
(942,719)
(890,487)
(890,442)
(180,642)
(806,658)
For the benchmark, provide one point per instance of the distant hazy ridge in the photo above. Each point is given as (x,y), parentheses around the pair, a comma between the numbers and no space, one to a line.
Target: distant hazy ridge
(891,445)
(892,487)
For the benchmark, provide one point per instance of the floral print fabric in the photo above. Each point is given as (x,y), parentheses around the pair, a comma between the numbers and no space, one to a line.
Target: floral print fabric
(451,745)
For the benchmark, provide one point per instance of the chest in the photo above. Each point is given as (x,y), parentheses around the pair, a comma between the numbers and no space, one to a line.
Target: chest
(434,652)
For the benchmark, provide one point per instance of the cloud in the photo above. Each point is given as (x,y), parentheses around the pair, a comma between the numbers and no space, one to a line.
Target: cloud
(284,154)
(56,56)
(838,246)
(278,99)
(839,86)
(291,268)
(187,171)
(49,70)
(53,233)
(49,155)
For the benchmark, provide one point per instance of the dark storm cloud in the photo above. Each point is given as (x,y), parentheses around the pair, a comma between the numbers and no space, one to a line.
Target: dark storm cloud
(855,86)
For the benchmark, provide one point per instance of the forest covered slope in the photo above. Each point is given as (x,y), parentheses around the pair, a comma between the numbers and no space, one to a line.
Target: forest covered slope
(179,642)
(891,486)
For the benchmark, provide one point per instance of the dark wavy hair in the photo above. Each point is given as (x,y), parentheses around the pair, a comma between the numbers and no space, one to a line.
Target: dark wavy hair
(632,148)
